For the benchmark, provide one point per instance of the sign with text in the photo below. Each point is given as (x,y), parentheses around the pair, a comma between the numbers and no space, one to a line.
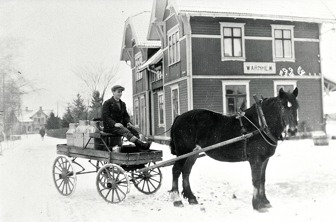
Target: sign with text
(259,68)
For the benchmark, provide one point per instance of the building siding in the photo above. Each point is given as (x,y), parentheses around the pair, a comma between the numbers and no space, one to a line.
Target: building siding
(310,112)
(183,97)
(208,94)
(177,70)
(261,28)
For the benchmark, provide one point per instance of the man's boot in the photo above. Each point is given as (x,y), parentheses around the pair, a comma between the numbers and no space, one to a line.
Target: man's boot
(143,146)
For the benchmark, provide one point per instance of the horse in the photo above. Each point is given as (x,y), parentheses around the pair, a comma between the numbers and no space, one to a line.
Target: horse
(201,128)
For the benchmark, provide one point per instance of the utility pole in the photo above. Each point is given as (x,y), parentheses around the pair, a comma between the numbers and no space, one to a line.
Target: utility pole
(3,102)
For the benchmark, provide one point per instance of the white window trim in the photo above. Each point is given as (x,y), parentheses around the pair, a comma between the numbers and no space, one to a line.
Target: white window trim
(283,82)
(135,112)
(172,31)
(164,122)
(173,87)
(142,97)
(291,27)
(237,25)
(235,82)
(138,75)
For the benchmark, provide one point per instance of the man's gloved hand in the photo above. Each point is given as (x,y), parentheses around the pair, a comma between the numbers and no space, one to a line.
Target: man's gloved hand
(130,125)
(119,125)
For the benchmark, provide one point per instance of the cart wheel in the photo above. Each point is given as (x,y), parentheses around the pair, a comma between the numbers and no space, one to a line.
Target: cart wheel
(64,175)
(112,183)
(147,182)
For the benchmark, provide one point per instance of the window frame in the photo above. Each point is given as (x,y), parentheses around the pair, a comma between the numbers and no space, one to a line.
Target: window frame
(137,62)
(174,46)
(172,88)
(233,25)
(276,83)
(163,107)
(235,83)
(283,27)
(136,112)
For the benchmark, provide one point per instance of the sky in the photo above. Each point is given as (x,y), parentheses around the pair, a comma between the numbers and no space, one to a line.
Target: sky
(59,36)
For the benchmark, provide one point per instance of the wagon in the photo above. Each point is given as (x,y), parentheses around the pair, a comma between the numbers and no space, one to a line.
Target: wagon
(116,171)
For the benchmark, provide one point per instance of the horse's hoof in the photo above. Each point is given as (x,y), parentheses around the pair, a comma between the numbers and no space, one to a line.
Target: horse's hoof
(262,210)
(178,204)
(267,205)
(193,201)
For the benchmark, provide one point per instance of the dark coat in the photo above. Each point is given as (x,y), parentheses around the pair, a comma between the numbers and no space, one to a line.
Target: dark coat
(112,114)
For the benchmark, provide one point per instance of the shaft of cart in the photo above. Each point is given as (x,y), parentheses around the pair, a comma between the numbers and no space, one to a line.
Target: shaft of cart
(205,149)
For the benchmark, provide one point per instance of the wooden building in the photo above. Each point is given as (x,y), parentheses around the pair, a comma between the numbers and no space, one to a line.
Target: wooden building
(217,54)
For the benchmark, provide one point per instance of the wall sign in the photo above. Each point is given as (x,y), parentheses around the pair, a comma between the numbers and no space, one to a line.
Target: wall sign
(259,68)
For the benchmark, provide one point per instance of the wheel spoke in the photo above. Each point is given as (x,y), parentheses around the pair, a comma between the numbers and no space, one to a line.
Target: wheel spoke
(124,194)
(107,193)
(151,179)
(117,194)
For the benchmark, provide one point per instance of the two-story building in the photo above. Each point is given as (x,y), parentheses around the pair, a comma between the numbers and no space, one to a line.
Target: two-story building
(30,121)
(217,54)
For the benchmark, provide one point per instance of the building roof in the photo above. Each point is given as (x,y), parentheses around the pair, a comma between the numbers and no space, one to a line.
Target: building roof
(152,60)
(291,10)
(27,115)
(135,33)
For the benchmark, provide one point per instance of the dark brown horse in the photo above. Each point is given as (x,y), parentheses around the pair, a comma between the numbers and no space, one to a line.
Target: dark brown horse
(202,128)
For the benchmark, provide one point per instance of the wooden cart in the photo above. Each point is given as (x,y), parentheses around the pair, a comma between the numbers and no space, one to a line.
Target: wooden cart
(115,170)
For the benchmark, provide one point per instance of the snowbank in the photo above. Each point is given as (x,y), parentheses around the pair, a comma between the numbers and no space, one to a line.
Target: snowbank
(300,184)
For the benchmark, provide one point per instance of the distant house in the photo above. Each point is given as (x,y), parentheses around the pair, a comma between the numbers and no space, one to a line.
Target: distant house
(31,121)
(216,54)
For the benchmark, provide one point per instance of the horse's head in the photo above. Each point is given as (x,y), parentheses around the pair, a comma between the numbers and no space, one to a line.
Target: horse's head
(289,107)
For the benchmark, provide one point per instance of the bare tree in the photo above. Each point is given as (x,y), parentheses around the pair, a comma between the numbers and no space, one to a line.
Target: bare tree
(97,77)
(13,83)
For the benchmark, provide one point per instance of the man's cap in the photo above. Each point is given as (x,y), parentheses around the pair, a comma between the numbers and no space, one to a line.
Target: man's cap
(114,88)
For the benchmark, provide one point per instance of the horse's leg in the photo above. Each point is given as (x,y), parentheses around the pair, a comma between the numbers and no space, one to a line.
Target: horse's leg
(256,168)
(177,170)
(262,192)
(187,193)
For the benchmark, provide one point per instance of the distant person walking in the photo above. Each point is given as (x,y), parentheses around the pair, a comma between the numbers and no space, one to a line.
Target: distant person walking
(42,132)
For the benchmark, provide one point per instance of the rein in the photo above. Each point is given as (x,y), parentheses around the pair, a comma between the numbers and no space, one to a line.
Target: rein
(262,130)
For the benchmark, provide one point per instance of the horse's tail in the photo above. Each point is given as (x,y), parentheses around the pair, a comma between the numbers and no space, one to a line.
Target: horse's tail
(172,142)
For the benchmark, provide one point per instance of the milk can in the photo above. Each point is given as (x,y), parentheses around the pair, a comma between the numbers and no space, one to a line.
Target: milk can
(79,133)
(70,134)
(92,128)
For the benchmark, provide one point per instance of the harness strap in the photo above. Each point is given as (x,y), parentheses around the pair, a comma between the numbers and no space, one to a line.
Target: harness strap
(262,120)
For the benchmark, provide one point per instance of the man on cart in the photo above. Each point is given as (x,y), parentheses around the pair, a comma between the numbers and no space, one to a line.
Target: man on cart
(117,121)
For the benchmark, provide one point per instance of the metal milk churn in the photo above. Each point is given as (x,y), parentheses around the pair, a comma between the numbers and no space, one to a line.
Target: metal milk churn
(70,134)
(92,128)
(79,133)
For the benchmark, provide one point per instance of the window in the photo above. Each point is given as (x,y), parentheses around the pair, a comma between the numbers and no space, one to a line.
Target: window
(235,96)
(175,101)
(283,44)
(137,112)
(233,44)
(157,74)
(173,46)
(160,109)
(286,85)
(138,62)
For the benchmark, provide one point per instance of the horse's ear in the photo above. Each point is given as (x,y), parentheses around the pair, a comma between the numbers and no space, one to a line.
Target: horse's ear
(281,93)
(296,92)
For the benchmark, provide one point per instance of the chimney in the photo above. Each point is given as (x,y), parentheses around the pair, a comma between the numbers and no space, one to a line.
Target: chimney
(40,108)
(26,108)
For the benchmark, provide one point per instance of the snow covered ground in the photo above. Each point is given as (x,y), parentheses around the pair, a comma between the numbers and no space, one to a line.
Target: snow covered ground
(301,185)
